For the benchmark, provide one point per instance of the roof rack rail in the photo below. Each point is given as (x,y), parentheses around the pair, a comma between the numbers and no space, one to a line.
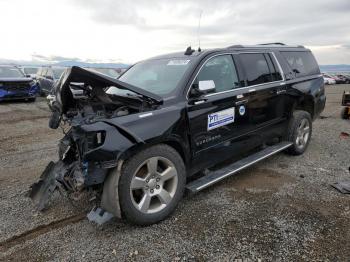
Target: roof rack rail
(235,46)
(264,45)
(277,43)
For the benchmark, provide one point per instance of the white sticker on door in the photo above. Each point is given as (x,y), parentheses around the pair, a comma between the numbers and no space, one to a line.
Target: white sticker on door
(221,118)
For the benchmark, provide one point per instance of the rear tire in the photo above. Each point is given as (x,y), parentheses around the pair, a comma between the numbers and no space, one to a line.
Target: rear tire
(151,184)
(299,132)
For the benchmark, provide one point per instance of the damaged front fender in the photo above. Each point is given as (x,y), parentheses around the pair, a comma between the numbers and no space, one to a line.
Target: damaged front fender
(85,161)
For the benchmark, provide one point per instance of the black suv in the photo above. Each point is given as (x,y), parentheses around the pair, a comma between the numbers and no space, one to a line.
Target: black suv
(47,76)
(167,123)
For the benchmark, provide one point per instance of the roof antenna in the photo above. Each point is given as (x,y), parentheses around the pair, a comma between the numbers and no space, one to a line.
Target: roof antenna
(199,28)
(189,51)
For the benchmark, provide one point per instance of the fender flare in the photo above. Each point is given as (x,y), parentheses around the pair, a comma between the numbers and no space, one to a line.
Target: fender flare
(110,193)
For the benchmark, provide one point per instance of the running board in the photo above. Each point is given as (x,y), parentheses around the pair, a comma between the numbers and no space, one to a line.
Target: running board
(216,176)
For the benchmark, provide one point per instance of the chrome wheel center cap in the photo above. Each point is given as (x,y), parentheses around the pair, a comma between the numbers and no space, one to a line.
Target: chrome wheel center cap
(152,183)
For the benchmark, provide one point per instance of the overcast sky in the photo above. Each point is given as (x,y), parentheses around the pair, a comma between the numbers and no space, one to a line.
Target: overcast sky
(128,31)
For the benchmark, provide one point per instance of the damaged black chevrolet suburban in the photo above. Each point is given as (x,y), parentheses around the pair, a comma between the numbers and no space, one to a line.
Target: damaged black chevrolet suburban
(175,121)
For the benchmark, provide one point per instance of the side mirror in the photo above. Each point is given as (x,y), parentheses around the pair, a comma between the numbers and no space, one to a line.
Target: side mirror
(202,87)
(206,86)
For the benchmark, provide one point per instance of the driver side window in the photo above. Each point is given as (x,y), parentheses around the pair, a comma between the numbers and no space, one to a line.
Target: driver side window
(222,71)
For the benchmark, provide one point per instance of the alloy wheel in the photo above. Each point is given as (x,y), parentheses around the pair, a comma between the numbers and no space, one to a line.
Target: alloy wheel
(153,185)
(303,134)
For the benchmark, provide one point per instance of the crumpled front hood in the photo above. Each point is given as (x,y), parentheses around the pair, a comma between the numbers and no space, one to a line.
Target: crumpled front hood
(96,80)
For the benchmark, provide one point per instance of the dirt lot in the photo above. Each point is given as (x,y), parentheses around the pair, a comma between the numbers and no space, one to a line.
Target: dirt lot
(280,209)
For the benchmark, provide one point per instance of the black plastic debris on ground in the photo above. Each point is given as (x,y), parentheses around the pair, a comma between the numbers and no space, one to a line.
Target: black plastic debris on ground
(343,187)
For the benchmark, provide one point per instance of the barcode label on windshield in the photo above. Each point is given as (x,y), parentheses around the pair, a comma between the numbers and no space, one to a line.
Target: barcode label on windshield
(178,62)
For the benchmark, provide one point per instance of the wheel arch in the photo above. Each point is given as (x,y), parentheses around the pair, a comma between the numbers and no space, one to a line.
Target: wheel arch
(174,143)
(307,104)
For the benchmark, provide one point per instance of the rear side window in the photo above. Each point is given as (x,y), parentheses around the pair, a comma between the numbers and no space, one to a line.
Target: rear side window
(257,69)
(302,63)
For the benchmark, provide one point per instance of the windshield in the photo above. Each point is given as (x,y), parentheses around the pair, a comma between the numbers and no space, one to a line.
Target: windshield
(156,76)
(30,70)
(108,71)
(57,72)
(10,72)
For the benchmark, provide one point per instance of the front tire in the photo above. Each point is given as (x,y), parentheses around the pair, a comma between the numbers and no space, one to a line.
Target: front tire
(151,184)
(299,132)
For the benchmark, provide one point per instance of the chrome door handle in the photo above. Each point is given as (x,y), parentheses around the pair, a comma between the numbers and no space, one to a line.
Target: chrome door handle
(241,102)
(281,91)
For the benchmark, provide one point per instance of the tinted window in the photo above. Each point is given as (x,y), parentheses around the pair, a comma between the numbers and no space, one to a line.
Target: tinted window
(302,63)
(256,69)
(222,71)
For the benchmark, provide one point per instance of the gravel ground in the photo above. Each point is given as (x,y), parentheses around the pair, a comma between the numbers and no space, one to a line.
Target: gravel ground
(281,209)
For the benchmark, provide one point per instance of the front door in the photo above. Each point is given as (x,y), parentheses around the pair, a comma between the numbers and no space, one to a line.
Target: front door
(219,121)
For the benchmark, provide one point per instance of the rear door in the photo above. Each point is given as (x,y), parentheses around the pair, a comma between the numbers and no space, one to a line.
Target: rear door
(219,121)
(267,90)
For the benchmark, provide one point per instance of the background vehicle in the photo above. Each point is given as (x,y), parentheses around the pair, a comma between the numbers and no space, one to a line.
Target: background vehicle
(47,77)
(15,85)
(328,80)
(344,78)
(30,71)
(337,79)
(140,138)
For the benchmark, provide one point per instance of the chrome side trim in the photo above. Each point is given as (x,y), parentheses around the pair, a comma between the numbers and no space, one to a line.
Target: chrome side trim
(246,88)
(145,115)
(279,66)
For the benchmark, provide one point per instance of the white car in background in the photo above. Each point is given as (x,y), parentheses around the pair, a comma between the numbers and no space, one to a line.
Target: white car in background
(328,80)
